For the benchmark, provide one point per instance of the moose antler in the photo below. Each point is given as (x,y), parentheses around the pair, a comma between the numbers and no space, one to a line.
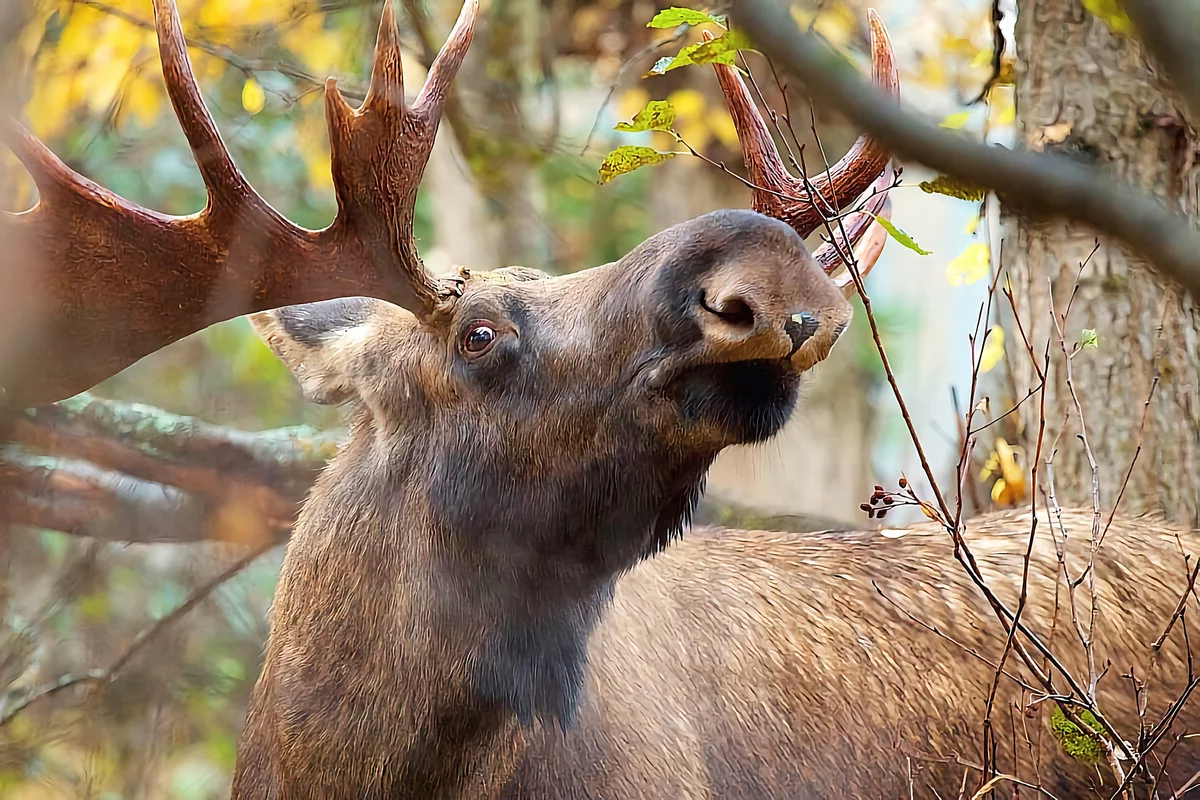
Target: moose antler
(94,282)
(806,203)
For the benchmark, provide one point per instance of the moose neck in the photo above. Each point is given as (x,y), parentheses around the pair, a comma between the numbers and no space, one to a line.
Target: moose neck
(476,586)
(537,555)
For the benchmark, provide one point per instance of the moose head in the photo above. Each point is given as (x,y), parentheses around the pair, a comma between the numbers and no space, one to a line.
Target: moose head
(517,440)
(530,405)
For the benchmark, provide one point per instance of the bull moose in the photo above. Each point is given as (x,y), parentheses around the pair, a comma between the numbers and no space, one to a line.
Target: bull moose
(489,592)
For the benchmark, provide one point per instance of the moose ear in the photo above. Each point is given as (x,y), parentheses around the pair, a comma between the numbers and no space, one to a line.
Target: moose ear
(317,342)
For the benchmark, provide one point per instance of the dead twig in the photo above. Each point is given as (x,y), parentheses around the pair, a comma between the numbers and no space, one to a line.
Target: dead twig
(109,674)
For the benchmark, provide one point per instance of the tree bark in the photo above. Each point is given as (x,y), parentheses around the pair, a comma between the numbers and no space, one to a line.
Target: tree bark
(1079,78)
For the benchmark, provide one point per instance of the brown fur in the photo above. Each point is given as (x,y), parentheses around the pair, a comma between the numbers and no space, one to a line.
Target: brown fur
(752,664)
(451,618)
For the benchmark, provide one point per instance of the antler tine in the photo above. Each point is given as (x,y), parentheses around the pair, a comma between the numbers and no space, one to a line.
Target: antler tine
(863,234)
(101,282)
(763,162)
(783,196)
(441,74)
(386,89)
(223,179)
(866,159)
(379,152)
(47,170)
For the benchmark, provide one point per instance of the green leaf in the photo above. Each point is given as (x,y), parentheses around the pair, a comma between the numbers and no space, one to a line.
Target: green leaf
(721,50)
(674,17)
(953,187)
(658,115)
(1088,338)
(628,158)
(900,236)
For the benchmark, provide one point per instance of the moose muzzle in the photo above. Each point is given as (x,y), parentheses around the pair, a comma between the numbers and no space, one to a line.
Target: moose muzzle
(791,312)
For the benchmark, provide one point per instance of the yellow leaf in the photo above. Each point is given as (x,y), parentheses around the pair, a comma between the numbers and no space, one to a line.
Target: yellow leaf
(722,127)
(690,114)
(141,101)
(1113,14)
(1010,488)
(1003,111)
(56,97)
(991,465)
(1007,456)
(689,104)
(16,187)
(929,511)
(241,13)
(982,58)
(321,49)
(253,96)
(959,46)
(930,71)
(993,349)
(957,120)
(802,16)
(631,100)
(313,146)
(837,23)
(972,225)
(628,158)
(694,132)
(969,266)
(658,115)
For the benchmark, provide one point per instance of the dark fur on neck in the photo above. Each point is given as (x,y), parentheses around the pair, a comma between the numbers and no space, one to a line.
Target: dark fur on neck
(533,664)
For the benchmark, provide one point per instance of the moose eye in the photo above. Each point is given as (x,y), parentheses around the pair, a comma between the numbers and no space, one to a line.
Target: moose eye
(479,338)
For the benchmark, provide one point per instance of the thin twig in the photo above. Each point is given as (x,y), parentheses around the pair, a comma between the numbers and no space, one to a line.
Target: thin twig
(113,671)
(1179,608)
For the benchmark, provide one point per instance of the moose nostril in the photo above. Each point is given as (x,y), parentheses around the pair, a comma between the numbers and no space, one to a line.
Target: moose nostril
(800,328)
(732,310)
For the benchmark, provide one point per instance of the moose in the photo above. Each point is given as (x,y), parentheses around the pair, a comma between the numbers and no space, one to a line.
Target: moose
(493,590)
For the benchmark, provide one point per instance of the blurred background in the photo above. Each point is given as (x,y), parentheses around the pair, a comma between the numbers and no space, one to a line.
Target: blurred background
(513,180)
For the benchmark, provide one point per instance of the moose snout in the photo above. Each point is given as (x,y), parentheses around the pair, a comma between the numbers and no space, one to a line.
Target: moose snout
(743,320)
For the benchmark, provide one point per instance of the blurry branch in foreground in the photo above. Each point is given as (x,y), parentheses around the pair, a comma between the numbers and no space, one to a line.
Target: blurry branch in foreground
(1035,184)
(130,473)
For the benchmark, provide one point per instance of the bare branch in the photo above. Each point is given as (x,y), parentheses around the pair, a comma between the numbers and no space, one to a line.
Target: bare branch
(101,677)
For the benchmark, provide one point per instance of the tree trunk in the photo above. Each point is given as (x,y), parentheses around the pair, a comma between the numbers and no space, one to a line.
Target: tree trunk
(1076,77)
